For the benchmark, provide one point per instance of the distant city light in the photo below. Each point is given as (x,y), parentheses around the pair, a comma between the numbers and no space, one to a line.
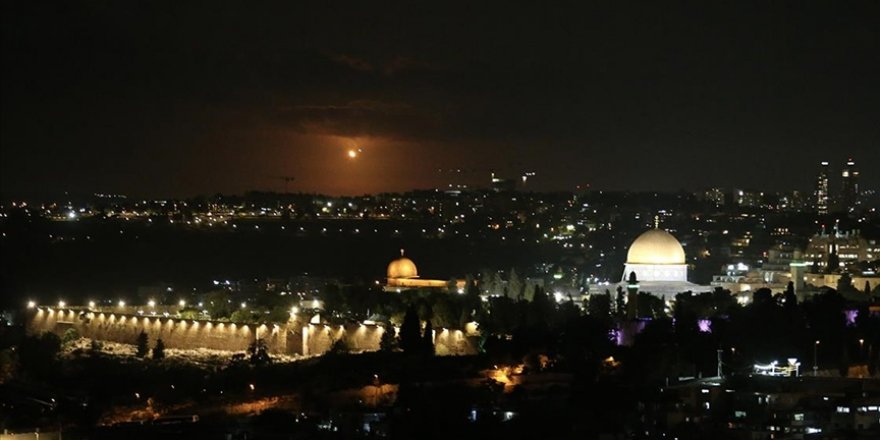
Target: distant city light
(61,304)
(91,304)
(121,303)
(151,303)
(181,303)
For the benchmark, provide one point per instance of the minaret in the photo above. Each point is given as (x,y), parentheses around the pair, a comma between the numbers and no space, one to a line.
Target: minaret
(656,222)
(632,296)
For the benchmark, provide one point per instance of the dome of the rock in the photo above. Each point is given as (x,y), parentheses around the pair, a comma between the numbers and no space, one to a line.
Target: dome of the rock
(656,247)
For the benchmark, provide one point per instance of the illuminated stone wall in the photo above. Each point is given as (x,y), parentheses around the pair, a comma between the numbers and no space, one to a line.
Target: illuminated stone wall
(295,338)
(319,338)
(175,333)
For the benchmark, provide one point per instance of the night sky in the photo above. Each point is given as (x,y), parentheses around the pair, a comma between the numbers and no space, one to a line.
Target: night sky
(155,98)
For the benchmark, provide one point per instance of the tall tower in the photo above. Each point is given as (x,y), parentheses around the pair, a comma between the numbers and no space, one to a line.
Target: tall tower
(821,196)
(849,187)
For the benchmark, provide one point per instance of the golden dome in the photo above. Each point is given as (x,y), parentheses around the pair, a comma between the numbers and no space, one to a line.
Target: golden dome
(655,247)
(402,268)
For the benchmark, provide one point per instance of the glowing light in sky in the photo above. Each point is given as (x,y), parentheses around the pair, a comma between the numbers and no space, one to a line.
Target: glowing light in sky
(352,154)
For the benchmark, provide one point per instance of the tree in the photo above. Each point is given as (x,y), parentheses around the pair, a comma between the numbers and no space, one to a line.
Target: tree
(471,286)
(487,282)
(218,303)
(514,286)
(242,315)
(833,261)
(142,345)
(410,331)
(339,347)
(388,342)
(96,346)
(620,303)
(762,296)
(790,297)
(648,305)
(444,311)
(497,285)
(428,339)
(37,354)
(8,364)
(70,335)
(867,288)
(159,350)
(258,353)
(529,292)
(844,283)
(600,306)
(539,312)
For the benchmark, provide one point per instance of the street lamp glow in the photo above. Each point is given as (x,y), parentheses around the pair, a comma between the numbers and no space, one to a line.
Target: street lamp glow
(151,303)
(91,304)
(61,304)
(31,304)
(121,303)
(244,305)
(181,303)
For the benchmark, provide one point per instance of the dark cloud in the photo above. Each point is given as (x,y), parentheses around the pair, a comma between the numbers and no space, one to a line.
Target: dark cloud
(129,96)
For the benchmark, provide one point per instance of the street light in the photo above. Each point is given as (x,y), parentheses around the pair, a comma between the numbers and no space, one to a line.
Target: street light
(181,303)
(816,358)
(31,304)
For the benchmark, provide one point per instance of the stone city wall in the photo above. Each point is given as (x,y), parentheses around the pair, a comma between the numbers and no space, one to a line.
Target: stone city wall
(319,338)
(175,333)
(295,338)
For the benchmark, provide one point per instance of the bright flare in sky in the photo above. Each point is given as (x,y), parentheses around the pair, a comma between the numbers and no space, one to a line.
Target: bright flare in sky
(352,154)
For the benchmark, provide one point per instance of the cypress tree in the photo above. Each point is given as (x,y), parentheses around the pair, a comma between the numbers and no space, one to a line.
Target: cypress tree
(410,331)
(159,350)
(142,345)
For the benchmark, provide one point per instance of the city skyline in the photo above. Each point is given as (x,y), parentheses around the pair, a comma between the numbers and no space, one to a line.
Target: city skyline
(131,99)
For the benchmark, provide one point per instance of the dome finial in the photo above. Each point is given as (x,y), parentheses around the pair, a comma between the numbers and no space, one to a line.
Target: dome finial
(656,222)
